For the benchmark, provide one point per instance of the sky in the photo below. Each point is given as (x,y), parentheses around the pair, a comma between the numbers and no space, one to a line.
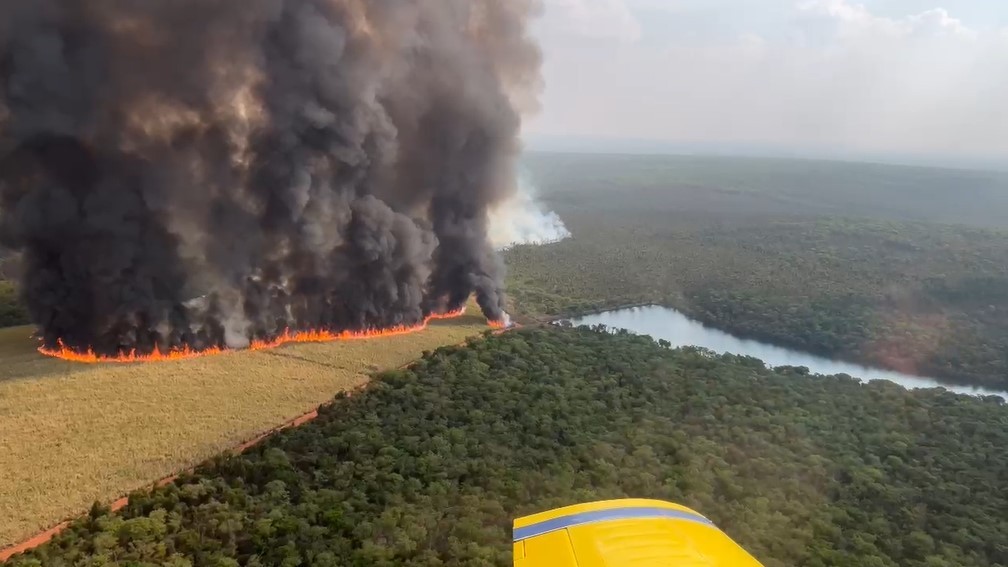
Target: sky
(911,77)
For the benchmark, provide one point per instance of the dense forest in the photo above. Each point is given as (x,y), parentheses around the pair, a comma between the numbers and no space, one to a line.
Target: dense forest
(431,463)
(842,272)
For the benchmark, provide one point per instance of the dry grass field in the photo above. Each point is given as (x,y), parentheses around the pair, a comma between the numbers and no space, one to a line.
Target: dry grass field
(72,434)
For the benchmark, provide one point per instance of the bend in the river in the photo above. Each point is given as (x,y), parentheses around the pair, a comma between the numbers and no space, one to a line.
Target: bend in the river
(671,325)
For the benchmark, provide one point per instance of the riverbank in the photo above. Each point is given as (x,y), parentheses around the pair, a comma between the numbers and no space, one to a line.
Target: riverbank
(669,324)
(683,307)
(868,292)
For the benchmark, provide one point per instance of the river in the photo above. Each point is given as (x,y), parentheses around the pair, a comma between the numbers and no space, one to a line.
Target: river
(673,326)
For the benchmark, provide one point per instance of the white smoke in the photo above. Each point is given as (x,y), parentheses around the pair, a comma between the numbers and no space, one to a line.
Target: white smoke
(523,220)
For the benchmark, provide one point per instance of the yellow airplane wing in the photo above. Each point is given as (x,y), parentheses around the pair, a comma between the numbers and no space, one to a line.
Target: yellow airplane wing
(617,533)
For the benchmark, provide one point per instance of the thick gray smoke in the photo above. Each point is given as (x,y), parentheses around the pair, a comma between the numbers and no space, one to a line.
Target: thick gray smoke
(206,172)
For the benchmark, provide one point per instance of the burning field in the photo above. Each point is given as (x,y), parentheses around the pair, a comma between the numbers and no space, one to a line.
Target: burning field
(192,177)
(79,433)
(188,177)
(63,352)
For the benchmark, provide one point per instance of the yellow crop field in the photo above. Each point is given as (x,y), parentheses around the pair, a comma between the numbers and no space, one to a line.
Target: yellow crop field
(72,434)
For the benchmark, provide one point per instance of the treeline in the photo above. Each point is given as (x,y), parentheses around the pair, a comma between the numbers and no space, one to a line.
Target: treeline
(12,310)
(920,298)
(431,463)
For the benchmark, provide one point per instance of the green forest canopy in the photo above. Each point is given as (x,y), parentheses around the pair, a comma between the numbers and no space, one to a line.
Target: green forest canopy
(852,261)
(430,464)
(926,300)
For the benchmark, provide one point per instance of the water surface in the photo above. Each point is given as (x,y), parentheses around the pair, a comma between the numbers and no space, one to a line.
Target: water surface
(673,326)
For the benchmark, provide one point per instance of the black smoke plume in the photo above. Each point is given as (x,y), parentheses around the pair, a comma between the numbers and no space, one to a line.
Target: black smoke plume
(207,172)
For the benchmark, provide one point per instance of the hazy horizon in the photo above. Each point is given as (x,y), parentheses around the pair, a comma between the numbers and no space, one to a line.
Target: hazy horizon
(902,81)
(632,146)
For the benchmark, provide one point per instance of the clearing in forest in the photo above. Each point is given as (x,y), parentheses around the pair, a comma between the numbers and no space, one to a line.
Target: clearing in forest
(73,434)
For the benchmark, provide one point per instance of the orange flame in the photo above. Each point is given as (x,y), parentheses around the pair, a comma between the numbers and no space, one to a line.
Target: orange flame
(501,324)
(90,357)
(288,336)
